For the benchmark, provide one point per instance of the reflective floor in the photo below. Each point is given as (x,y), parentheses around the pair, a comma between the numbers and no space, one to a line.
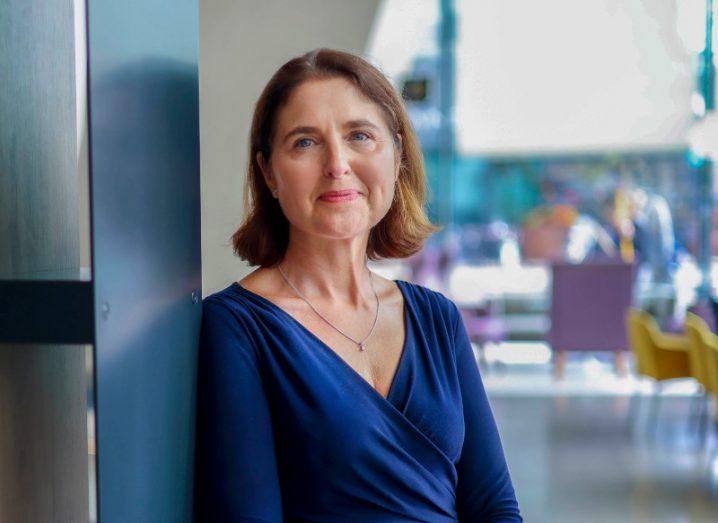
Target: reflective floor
(585,455)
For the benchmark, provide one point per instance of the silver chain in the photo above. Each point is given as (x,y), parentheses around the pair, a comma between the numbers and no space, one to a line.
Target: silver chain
(376,316)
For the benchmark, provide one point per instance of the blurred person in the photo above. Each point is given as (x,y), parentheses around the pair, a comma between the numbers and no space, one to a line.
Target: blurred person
(655,241)
(326,392)
(587,239)
(623,204)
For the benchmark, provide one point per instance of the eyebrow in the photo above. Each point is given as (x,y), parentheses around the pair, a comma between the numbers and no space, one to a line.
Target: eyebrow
(353,124)
(306,129)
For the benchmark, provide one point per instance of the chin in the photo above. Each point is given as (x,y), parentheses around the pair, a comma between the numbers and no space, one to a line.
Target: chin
(341,226)
(341,233)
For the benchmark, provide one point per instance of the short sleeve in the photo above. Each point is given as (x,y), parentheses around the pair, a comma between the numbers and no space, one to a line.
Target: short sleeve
(236,475)
(485,492)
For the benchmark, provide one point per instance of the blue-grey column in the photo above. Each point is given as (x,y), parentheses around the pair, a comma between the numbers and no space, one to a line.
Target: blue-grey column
(705,169)
(447,74)
(144,166)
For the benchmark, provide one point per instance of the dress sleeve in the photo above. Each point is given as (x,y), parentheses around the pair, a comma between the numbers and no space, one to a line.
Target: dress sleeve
(484,492)
(236,472)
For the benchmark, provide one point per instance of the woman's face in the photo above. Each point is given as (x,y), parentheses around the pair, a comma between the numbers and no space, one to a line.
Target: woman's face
(333,161)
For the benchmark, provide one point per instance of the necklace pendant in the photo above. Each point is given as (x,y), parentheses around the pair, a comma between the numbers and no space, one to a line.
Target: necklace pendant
(361,346)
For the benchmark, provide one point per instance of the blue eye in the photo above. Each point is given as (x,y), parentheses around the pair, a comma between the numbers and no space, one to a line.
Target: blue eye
(303,143)
(360,136)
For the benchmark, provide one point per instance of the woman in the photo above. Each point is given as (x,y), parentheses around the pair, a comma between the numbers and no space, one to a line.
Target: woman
(326,392)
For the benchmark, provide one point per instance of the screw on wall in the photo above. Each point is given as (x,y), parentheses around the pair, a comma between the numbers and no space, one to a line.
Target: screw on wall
(105,310)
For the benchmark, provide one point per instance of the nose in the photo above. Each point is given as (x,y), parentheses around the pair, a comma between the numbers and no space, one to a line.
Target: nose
(336,162)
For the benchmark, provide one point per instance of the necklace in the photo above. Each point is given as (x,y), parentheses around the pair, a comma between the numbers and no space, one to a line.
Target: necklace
(376,316)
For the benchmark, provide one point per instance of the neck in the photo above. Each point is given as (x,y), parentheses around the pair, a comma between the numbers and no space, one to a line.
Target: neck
(332,270)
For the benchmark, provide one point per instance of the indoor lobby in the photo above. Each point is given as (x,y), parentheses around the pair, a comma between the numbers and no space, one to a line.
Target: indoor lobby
(568,150)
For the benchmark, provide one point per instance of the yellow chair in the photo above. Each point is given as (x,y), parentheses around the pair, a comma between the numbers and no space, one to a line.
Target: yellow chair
(659,355)
(703,353)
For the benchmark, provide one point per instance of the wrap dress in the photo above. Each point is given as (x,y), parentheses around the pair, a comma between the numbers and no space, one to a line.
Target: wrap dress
(288,431)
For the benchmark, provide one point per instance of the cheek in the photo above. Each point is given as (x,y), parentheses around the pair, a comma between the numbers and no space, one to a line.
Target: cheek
(294,178)
(385,177)
(382,192)
(382,168)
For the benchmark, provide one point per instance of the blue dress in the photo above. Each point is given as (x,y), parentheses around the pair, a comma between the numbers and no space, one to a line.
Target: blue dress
(288,431)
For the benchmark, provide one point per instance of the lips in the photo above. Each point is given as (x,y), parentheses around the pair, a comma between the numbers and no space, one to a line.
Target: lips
(339,196)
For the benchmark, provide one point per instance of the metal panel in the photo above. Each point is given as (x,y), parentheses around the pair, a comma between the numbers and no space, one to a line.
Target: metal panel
(39,234)
(144,143)
(44,460)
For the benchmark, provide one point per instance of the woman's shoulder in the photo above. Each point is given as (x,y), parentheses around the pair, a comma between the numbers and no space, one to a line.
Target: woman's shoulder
(234,314)
(427,294)
(430,301)
(224,298)
(232,303)
(248,300)
(240,293)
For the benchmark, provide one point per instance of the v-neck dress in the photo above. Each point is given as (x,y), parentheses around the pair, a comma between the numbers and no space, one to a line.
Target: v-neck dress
(288,431)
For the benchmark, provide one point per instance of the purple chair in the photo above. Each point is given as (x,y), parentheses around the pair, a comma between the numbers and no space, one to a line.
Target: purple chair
(483,325)
(588,307)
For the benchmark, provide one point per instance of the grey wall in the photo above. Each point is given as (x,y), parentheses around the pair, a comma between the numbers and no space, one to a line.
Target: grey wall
(242,43)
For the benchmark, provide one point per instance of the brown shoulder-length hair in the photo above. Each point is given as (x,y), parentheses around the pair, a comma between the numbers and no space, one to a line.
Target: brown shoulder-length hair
(263,236)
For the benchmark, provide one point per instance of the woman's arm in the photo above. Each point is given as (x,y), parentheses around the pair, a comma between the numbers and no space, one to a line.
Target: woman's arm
(236,471)
(485,492)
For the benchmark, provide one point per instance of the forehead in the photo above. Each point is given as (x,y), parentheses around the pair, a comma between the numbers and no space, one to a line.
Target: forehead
(313,102)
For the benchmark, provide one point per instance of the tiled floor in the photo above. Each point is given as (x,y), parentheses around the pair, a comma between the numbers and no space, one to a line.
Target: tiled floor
(577,455)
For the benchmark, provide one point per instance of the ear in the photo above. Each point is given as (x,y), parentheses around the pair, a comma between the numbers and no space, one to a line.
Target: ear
(266,172)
